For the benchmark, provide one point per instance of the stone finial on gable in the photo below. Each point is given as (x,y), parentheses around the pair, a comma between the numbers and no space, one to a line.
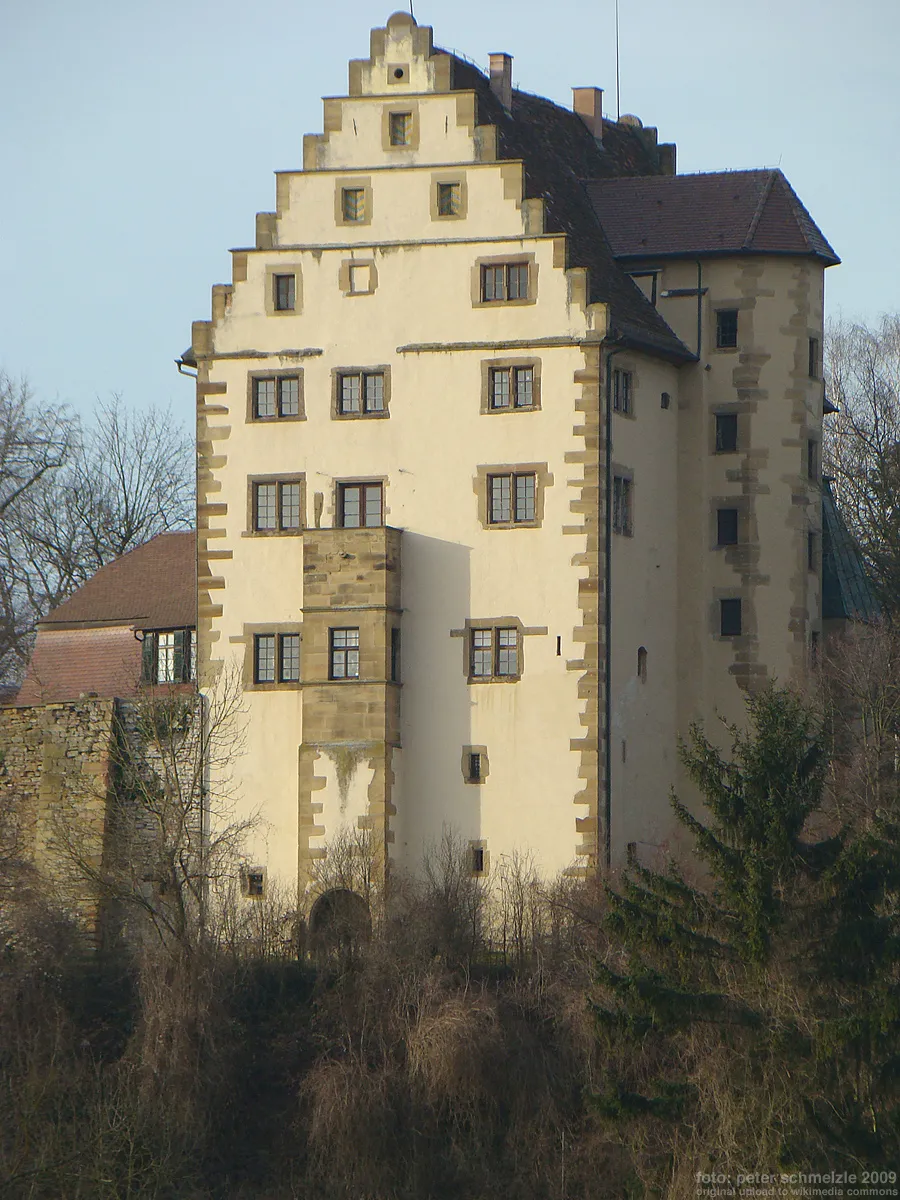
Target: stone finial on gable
(401,59)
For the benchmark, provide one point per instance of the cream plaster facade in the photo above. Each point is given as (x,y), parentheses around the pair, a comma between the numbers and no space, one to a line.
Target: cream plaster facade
(387,750)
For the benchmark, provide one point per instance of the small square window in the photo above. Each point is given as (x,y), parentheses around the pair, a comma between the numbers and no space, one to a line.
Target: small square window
(448,199)
(289,658)
(264,658)
(813,358)
(622,520)
(622,386)
(726,433)
(344,656)
(360,505)
(353,204)
(730,618)
(726,328)
(400,128)
(727,526)
(285,292)
(504,282)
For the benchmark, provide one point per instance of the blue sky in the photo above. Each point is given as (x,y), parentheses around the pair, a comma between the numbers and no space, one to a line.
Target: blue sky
(137,142)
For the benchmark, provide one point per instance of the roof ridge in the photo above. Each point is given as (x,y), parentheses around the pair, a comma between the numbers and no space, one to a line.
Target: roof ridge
(760,209)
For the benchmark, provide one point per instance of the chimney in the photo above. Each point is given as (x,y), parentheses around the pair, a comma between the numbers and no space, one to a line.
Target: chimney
(501,79)
(588,103)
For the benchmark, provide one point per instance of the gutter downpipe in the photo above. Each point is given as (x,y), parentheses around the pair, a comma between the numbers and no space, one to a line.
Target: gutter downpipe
(607,623)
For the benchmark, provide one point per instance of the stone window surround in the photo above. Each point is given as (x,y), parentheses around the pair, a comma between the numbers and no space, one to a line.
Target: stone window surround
(358,182)
(511,259)
(734,593)
(336,414)
(286,268)
(291,478)
(293,373)
(490,364)
(344,278)
(742,504)
(246,638)
(332,508)
(524,631)
(543,480)
(742,410)
(717,306)
(407,106)
(457,177)
(467,752)
(247,870)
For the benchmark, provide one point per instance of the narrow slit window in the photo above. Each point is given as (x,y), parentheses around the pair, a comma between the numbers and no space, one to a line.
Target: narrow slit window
(622,388)
(622,505)
(395,655)
(726,433)
(475,767)
(812,460)
(811,549)
(813,358)
(478,860)
(642,664)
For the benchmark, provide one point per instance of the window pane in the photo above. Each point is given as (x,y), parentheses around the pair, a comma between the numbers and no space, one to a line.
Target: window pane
(192,655)
(344,653)
(165,661)
(373,505)
(518,281)
(290,506)
(507,652)
(726,328)
(730,618)
(353,204)
(500,387)
(492,283)
(474,766)
(349,393)
(499,498)
(524,386)
(289,396)
(350,506)
(264,392)
(264,664)
(727,526)
(375,393)
(265,502)
(481,652)
(726,432)
(284,292)
(524,497)
(290,658)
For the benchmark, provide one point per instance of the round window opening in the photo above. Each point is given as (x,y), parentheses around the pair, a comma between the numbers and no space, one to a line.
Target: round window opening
(398,73)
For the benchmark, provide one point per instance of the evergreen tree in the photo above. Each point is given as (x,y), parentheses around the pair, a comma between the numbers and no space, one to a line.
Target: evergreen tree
(776,960)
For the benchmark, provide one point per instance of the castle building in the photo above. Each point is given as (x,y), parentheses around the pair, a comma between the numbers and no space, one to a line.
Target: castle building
(509,469)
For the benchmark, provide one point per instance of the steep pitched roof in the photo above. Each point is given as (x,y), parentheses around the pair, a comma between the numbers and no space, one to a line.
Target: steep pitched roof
(152,587)
(846,591)
(559,153)
(724,212)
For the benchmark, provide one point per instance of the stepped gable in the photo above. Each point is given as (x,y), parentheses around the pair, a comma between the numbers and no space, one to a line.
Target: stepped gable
(723,212)
(559,153)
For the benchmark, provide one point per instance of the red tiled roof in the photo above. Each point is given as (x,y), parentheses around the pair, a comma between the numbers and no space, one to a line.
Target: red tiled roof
(728,212)
(67,663)
(152,587)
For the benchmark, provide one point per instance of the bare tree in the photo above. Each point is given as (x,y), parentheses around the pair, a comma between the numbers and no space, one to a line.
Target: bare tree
(111,486)
(862,443)
(34,441)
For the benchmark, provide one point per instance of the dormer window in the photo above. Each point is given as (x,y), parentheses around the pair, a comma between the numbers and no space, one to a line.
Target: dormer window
(169,656)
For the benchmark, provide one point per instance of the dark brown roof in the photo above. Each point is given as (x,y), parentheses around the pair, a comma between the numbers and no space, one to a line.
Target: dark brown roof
(559,154)
(726,212)
(152,587)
